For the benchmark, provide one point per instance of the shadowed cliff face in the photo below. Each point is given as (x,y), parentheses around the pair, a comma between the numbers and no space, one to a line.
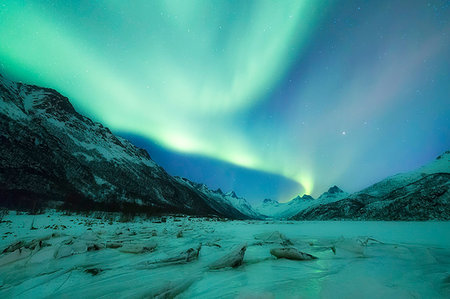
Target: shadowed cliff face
(51,153)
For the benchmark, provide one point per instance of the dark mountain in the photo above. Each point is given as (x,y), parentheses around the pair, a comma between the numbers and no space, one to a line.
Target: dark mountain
(270,201)
(307,197)
(50,155)
(422,194)
(226,203)
(334,190)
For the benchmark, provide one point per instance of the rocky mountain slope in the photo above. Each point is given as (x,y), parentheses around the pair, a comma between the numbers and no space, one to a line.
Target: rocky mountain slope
(227,203)
(52,155)
(333,194)
(423,194)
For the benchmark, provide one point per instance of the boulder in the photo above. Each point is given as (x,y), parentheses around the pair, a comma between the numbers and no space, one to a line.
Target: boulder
(138,247)
(291,253)
(233,259)
(184,257)
(113,245)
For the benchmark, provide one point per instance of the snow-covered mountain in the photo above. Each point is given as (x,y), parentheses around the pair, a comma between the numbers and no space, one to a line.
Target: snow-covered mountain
(51,154)
(333,194)
(422,194)
(224,201)
(274,209)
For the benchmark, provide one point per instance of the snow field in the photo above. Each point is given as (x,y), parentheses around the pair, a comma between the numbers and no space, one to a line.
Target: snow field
(75,256)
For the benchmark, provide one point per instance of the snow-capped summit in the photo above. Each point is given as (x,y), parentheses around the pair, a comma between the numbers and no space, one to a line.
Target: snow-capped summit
(333,194)
(242,205)
(299,198)
(274,209)
(307,197)
(231,194)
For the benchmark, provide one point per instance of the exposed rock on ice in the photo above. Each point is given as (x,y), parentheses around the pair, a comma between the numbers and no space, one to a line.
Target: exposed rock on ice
(186,256)
(273,237)
(13,247)
(291,254)
(171,289)
(17,255)
(353,245)
(138,247)
(232,259)
(113,245)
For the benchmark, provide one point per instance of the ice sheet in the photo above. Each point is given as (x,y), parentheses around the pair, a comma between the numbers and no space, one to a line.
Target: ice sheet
(355,259)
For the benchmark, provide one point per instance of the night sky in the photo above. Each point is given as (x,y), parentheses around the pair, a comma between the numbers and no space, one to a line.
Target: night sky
(269,98)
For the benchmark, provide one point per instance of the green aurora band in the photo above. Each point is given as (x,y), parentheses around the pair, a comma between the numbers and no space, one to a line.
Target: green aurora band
(176,66)
(317,92)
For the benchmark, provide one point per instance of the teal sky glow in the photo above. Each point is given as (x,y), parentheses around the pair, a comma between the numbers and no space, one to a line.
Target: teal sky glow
(308,90)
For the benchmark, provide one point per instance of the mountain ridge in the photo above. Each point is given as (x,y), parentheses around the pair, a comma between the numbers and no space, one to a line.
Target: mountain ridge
(225,199)
(63,158)
(421,194)
(274,209)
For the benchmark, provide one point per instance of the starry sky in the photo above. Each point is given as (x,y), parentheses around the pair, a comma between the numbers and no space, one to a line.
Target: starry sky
(269,98)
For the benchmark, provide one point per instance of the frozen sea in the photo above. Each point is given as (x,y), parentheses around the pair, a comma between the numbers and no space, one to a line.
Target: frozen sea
(86,257)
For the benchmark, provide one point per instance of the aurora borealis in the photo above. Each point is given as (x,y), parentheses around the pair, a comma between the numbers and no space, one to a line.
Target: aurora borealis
(315,92)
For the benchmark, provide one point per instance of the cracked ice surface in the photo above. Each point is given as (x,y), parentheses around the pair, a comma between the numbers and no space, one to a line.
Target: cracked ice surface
(75,256)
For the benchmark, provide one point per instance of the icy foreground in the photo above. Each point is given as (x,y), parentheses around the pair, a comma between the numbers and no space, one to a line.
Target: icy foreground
(75,256)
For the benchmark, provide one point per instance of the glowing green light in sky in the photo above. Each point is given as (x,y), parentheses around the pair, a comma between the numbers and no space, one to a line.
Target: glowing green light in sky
(267,85)
(174,71)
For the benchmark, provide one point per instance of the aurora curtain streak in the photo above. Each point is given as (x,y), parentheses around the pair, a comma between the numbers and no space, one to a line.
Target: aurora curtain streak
(308,90)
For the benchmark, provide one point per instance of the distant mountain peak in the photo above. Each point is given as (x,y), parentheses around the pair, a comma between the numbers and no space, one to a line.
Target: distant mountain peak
(298,198)
(231,194)
(334,190)
(269,201)
(307,197)
(392,198)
